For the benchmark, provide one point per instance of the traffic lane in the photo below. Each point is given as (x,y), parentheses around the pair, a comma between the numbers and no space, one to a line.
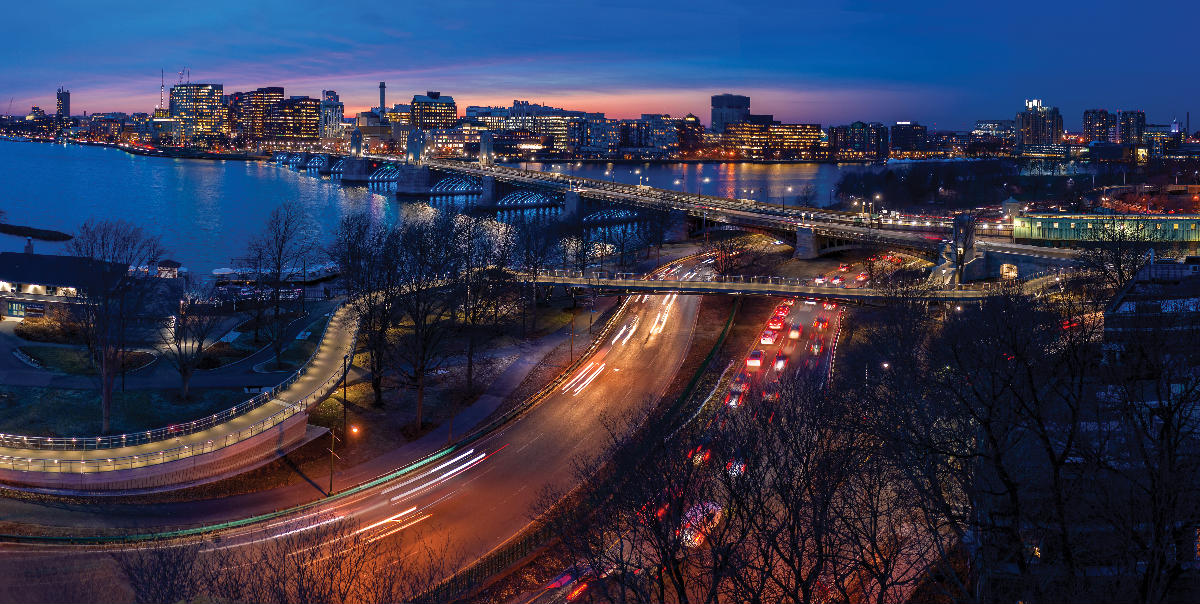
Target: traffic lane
(480,510)
(479,507)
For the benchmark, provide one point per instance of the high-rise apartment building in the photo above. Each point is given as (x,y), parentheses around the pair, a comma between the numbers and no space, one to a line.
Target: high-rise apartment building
(1039,125)
(294,119)
(1132,127)
(1096,124)
(333,111)
(199,110)
(433,110)
(64,104)
(729,109)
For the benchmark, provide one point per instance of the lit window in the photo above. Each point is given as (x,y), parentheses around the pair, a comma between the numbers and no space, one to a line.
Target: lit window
(1056,225)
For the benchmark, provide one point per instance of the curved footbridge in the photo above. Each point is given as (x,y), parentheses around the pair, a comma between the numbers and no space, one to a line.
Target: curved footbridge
(238,439)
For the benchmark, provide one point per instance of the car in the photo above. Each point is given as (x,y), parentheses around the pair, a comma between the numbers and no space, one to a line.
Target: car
(768,337)
(838,280)
(776,323)
(816,348)
(830,305)
(740,382)
(734,399)
(795,332)
(735,467)
(781,361)
(789,301)
(782,311)
(861,277)
(699,521)
(701,453)
(754,361)
(819,280)
(820,324)
(771,391)
(843,267)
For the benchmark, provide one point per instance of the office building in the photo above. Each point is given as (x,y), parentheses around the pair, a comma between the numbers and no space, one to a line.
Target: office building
(859,141)
(1038,125)
(296,119)
(1096,125)
(908,139)
(1002,130)
(199,110)
(729,109)
(248,111)
(64,104)
(432,110)
(333,111)
(1132,127)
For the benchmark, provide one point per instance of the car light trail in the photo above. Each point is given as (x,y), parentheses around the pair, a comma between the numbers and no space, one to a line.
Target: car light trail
(589,380)
(443,478)
(578,376)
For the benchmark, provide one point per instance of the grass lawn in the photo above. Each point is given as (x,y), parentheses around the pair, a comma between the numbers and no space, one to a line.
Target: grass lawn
(76,361)
(37,411)
(296,352)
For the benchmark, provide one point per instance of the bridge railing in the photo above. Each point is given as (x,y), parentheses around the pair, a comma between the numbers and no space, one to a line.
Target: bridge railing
(86,443)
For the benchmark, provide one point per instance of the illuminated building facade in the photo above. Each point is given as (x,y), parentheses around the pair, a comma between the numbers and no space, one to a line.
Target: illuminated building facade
(333,111)
(199,110)
(248,111)
(1132,127)
(729,109)
(433,111)
(909,140)
(64,104)
(1039,125)
(859,141)
(1096,125)
(295,119)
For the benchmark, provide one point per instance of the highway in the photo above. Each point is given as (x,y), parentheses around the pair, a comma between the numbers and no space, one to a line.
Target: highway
(476,498)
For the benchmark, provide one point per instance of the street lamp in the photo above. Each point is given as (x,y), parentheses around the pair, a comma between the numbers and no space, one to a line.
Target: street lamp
(789,190)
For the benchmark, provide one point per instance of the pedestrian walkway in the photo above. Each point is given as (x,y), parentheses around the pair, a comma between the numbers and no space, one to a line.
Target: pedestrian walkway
(295,395)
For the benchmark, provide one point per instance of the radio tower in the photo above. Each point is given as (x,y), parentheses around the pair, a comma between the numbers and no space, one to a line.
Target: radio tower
(162,88)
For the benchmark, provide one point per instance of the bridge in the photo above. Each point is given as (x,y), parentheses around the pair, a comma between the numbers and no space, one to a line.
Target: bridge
(759,285)
(815,231)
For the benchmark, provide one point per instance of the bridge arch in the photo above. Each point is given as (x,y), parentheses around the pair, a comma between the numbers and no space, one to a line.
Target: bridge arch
(610,216)
(456,184)
(527,198)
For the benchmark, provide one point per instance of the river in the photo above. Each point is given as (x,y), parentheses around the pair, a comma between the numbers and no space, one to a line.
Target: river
(206,211)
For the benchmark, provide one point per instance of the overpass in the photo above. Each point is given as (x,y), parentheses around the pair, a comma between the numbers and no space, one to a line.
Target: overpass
(760,285)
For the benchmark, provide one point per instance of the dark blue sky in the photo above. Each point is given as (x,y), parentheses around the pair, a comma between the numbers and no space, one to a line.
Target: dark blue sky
(940,63)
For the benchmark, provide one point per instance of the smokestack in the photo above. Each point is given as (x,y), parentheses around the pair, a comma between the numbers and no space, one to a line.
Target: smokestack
(382,106)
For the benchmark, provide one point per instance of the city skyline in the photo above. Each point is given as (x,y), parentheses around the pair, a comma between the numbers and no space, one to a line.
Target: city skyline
(830,65)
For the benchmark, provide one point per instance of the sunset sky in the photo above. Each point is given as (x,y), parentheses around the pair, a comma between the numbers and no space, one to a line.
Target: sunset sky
(941,63)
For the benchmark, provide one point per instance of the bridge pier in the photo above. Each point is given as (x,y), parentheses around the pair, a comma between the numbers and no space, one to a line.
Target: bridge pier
(487,195)
(806,244)
(572,206)
(356,169)
(677,226)
(412,180)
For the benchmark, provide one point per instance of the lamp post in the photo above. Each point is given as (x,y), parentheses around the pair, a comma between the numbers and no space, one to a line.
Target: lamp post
(345,374)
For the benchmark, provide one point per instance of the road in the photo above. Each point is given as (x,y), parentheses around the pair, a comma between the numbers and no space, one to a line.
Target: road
(478,497)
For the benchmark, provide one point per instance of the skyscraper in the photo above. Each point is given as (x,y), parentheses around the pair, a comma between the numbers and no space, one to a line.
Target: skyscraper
(332,113)
(199,109)
(1096,123)
(729,109)
(1132,127)
(64,104)
(1039,125)
(382,103)
(432,111)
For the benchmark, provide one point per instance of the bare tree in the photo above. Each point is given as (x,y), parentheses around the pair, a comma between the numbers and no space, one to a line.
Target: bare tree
(427,263)
(1116,249)
(118,288)
(163,572)
(285,247)
(193,329)
(366,254)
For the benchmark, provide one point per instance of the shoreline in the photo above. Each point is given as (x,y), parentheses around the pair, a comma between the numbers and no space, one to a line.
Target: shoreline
(49,235)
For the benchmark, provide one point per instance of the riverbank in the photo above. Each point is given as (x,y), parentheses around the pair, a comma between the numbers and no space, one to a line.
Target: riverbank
(33,232)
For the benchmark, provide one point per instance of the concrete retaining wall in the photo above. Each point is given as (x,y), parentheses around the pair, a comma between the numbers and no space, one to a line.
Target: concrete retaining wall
(239,457)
